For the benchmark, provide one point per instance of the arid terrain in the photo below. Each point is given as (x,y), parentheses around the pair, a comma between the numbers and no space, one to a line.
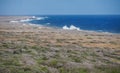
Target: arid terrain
(26,48)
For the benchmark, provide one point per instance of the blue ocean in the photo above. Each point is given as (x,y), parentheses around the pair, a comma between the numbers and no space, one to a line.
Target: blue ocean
(100,23)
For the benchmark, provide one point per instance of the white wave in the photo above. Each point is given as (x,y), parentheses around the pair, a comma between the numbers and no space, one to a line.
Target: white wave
(29,19)
(40,18)
(36,18)
(33,17)
(26,20)
(72,27)
(66,27)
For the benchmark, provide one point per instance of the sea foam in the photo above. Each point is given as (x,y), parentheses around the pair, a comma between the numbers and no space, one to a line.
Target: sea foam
(66,27)
(30,19)
(26,20)
(72,27)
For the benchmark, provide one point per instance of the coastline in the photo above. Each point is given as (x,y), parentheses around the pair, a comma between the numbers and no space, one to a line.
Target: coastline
(25,26)
(39,48)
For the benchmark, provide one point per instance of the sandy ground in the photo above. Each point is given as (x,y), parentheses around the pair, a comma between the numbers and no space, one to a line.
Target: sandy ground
(105,45)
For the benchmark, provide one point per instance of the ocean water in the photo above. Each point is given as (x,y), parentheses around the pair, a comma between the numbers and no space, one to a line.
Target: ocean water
(101,23)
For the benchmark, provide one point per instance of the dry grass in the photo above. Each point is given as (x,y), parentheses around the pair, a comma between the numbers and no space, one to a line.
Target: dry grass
(29,49)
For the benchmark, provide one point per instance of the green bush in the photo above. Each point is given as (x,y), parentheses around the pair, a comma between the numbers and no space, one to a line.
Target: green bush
(74,70)
(53,63)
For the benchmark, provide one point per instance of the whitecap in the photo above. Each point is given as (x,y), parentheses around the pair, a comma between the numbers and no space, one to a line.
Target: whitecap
(40,18)
(66,27)
(72,27)
(26,20)
(33,17)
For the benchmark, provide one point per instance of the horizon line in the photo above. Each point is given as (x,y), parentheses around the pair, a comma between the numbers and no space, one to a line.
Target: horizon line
(50,14)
